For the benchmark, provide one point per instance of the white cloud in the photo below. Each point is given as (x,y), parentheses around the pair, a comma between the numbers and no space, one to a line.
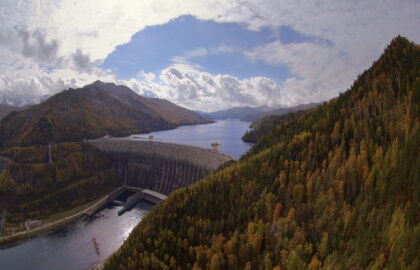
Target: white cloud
(203,91)
(199,52)
(146,76)
(49,45)
(184,64)
(320,70)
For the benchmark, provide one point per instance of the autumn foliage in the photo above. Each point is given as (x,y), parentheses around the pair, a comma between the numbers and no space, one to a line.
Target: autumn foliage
(336,187)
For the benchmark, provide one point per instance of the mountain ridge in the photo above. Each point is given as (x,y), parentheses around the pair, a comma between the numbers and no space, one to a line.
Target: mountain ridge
(280,111)
(92,111)
(251,114)
(236,112)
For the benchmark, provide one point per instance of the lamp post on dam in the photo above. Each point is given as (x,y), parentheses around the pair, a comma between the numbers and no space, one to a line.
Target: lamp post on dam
(50,152)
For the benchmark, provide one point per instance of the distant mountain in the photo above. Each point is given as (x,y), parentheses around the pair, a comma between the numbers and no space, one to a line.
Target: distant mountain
(280,111)
(166,109)
(236,112)
(93,111)
(252,114)
(5,109)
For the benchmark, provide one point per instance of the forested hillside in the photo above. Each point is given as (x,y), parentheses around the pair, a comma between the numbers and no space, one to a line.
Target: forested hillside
(93,111)
(169,111)
(334,188)
(31,187)
(264,125)
(280,112)
(34,188)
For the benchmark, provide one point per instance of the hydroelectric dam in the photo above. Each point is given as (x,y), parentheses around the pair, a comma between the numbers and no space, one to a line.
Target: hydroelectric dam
(156,169)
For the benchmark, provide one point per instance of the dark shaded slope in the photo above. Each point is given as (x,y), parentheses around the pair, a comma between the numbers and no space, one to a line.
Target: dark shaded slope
(267,123)
(5,109)
(335,188)
(74,115)
(166,109)
(92,111)
(177,114)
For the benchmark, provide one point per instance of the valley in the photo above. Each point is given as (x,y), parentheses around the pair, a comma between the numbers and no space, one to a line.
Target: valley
(61,240)
(333,188)
(209,135)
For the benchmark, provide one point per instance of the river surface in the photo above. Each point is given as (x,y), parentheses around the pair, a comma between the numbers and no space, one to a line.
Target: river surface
(73,248)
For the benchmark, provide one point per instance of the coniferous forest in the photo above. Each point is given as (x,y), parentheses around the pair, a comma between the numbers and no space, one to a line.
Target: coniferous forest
(32,187)
(336,187)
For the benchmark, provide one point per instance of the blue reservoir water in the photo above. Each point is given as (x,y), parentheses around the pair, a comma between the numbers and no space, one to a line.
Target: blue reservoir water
(227,133)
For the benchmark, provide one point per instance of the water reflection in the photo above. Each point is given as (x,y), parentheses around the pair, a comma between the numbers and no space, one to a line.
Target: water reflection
(226,132)
(73,247)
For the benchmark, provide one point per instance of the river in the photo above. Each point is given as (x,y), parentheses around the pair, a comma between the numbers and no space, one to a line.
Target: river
(73,247)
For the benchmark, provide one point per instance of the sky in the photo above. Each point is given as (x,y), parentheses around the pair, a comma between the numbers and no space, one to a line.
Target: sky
(205,55)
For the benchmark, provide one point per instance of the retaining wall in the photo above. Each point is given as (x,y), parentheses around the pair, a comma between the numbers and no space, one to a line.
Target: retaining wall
(162,167)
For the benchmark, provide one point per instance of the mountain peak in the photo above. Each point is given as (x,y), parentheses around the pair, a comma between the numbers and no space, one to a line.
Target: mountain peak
(100,84)
(398,46)
(399,41)
(93,111)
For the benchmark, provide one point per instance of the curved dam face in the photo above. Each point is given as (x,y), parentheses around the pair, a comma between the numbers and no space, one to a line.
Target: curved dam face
(161,167)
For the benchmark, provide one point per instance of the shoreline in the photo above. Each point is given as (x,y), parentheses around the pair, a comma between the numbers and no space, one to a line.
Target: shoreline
(9,241)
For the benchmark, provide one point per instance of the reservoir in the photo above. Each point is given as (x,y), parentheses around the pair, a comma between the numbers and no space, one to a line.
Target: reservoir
(89,240)
(227,133)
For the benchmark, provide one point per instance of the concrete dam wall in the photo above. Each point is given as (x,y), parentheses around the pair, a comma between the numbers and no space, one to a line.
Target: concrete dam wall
(161,167)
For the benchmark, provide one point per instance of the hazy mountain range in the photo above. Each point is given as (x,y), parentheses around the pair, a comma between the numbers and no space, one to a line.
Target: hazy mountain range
(247,113)
(6,108)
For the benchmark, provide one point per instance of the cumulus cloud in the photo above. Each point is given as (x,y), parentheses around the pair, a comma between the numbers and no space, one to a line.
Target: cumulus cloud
(82,61)
(46,46)
(146,76)
(199,52)
(318,69)
(34,44)
(204,91)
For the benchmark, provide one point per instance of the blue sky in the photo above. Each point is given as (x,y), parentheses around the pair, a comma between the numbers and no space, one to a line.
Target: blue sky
(153,48)
(201,54)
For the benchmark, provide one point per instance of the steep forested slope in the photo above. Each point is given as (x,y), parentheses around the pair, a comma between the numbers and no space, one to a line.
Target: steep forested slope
(34,188)
(335,188)
(264,125)
(167,110)
(93,111)
(280,112)
(175,113)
